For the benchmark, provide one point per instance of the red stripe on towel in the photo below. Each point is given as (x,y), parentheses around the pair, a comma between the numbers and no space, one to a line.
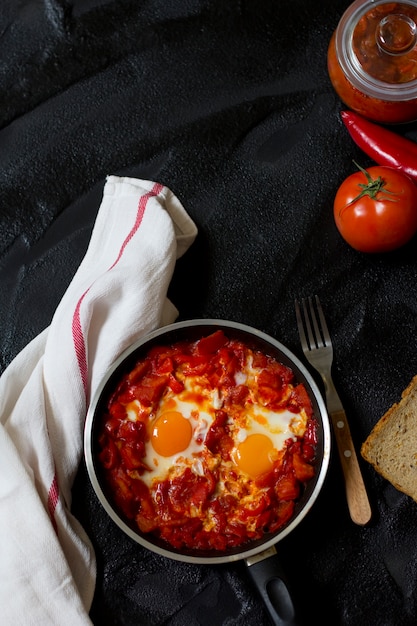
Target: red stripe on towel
(156,189)
(53,497)
(79,343)
(77,332)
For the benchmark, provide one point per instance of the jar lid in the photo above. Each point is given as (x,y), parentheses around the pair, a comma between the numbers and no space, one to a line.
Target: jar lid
(376,45)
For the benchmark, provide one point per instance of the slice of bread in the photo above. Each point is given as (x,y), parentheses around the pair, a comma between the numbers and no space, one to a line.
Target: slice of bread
(391,447)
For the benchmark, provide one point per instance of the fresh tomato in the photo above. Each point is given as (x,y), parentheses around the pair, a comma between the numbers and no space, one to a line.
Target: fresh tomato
(375,210)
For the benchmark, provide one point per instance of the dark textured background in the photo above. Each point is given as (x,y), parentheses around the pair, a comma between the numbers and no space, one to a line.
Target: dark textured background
(229,104)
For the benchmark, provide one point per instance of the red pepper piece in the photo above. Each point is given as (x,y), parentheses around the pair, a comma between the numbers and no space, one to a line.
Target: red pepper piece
(260,360)
(230,367)
(175,385)
(384,146)
(303,471)
(109,455)
(308,452)
(218,440)
(133,432)
(113,421)
(160,353)
(151,389)
(310,436)
(146,519)
(236,395)
(269,379)
(194,365)
(212,343)
(120,484)
(271,385)
(300,399)
(187,490)
(132,455)
(236,533)
(287,487)
(138,372)
(254,509)
(284,512)
(164,365)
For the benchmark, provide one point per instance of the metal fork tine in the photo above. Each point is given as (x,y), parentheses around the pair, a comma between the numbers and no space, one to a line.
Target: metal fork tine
(324,329)
(317,338)
(303,338)
(311,340)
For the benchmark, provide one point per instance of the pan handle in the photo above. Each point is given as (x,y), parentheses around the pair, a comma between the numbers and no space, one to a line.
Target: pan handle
(266,572)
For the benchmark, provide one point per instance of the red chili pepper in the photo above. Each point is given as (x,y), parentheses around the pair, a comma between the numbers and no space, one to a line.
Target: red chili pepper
(383,146)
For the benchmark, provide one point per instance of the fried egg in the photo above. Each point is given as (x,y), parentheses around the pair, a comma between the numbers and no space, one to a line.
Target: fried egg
(261,436)
(176,436)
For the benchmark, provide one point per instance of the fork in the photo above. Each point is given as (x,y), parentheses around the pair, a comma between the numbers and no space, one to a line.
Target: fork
(318,350)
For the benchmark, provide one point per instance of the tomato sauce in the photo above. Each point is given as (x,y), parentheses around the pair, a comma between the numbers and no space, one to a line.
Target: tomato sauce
(206,497)
(372,60)
(381,42)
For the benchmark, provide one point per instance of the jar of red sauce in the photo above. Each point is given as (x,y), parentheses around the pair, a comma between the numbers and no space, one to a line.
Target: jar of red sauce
(372,60)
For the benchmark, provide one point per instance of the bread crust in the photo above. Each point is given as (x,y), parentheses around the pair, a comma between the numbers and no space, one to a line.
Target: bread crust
(391,446)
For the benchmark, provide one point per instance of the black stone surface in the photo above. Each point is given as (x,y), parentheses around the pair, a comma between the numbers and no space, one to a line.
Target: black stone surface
(229,104)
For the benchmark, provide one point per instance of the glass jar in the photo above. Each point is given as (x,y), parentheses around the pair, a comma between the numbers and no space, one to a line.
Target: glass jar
(372,60)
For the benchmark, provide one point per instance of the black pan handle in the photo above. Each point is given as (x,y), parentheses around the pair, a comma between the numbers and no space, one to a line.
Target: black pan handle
(266,572)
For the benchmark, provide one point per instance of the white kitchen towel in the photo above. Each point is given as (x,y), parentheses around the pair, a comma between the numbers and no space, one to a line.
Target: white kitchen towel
(119,292)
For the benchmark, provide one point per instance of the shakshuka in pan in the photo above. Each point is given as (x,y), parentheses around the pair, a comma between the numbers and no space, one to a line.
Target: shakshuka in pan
(207,444)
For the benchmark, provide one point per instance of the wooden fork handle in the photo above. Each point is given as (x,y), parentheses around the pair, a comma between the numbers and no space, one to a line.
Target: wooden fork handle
(357,498)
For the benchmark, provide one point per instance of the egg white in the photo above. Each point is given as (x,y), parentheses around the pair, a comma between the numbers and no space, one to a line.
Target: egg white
(162,466)
(279,426)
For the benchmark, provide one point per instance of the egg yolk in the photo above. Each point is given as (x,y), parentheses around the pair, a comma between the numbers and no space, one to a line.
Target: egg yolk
(253,456)
(171,433)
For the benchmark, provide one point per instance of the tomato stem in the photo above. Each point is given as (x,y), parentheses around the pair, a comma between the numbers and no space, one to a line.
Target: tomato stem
(371,188)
